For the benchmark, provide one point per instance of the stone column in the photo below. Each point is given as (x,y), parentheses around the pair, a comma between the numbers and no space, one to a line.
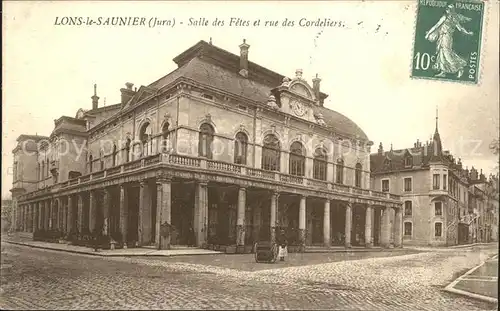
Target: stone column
(64,217)
(35,217)
(80,213)
(70,221)
(51,214)
(144,227)
(272,218)
(47,215)
(32,217)
(368,227)
(398,228)
(140,216)
(257,208)
(385,228)
(58,214)
(326,224)
(105,211)
(40,215)
(163,211)
(348,224)
(123,214)
(201,212)
(240,222)
(92,211)
(25,218)
(302,223)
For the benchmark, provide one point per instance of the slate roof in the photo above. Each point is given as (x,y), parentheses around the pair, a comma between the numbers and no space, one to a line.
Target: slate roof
(206,69)
(394,160)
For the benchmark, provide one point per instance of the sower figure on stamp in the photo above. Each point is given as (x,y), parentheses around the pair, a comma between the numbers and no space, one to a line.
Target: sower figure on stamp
(447,61)
(282,243)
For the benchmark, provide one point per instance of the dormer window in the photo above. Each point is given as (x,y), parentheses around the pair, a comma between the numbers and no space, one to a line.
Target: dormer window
(408,161)
(208,96)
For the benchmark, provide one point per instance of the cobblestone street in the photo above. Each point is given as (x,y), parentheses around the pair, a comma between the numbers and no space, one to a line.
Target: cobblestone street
(42,279)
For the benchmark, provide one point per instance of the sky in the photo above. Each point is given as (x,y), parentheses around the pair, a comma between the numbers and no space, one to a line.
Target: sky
(49,70)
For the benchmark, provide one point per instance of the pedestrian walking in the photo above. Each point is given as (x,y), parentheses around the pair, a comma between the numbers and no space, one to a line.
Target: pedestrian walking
(283,245)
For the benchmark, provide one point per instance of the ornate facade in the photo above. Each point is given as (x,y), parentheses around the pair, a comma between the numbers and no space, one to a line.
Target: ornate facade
(221,151)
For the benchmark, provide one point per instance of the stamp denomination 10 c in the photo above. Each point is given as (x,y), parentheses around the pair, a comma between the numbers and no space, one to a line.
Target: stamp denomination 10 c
(447,41)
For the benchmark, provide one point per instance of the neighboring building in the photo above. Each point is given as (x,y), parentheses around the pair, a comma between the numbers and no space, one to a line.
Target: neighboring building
(220,147)
(443,204)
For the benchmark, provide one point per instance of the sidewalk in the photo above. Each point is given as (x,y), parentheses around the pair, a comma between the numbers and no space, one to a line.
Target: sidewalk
(480,282)
(446,248)
(144,251)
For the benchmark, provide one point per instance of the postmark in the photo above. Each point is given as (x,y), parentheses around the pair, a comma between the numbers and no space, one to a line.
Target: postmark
(447,43)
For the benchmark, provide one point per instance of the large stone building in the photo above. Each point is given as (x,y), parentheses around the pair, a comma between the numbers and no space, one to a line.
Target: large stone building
(223,150)
(443,203)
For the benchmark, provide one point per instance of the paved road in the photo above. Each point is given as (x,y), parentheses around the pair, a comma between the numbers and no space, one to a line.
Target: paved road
(40,279)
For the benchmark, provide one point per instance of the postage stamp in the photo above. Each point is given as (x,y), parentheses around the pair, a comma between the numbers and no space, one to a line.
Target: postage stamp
(447,41)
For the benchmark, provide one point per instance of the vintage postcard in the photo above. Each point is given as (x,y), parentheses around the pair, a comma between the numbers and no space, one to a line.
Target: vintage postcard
(262,155)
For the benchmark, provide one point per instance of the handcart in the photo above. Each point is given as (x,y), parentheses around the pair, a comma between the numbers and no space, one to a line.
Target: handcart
(266,252)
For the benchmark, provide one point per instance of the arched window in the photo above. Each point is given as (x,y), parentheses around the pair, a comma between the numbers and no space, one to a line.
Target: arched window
(319,164)
(101,159)
(165,133)
(271,153)
(297,159)
(340,171)
(357,175)
(240,148)
(42,173)
(115,153)
(48,168)
(205,141)
(127,150)
(408,228)
(145,138)
(408,208)
(91,159)
(38,171)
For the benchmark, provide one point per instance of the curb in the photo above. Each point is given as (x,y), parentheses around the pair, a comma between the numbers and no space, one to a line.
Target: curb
(450,287)
(98,254)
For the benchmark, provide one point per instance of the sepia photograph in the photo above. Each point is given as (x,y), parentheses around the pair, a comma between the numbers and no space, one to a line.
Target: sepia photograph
(260,155)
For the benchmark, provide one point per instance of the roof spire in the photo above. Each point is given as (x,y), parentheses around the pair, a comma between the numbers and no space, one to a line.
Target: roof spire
(210,40)
(436,119)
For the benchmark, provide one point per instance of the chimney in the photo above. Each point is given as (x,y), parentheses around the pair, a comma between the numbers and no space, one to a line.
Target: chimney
(244,59)
(380,149)
(127,93)
(95,98)
(316,82)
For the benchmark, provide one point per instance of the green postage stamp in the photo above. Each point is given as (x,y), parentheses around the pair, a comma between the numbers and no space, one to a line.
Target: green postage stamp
(447,41)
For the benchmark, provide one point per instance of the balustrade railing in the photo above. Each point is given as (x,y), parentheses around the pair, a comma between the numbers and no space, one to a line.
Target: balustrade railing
(340,187)
(261,173)
(132,165)
(394,196)
(379,194)
(223,166)
(114,170)
(291,179)
(96,175)
(183,160)
(215,165)
(152,160)
(317,183)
